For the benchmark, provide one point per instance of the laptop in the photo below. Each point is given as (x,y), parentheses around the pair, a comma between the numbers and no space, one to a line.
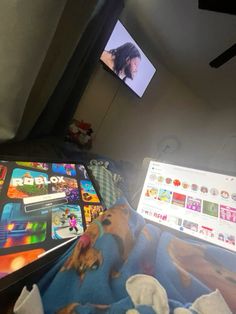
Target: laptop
(197,203)
(43,205)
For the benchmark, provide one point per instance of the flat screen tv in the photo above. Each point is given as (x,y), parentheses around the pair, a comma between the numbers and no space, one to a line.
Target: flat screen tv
(125,58)
(198,203)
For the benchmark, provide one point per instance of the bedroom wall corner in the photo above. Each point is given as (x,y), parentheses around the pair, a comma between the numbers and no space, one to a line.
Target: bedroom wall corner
(130,128)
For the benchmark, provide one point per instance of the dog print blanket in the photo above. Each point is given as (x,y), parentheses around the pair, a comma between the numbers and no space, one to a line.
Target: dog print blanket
(121,264)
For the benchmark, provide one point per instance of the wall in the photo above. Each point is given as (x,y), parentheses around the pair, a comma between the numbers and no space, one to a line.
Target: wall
(72,22)
(27,28)
(169,122)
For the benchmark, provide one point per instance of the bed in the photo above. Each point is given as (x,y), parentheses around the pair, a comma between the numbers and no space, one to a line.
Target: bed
(122,264)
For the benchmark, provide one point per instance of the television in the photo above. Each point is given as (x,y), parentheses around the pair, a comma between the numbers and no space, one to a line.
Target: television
(197,203)
(125,58)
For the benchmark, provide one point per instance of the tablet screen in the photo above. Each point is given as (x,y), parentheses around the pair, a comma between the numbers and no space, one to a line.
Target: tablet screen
(42,205)
(196,202)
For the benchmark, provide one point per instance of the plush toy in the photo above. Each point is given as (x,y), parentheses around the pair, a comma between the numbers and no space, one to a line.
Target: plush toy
(80,132)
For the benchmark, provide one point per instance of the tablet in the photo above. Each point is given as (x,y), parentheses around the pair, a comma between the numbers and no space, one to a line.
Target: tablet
(42,205)
(195,202)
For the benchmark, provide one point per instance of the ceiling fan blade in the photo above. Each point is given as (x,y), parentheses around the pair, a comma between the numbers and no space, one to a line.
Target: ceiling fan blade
(221,6)
(224,57)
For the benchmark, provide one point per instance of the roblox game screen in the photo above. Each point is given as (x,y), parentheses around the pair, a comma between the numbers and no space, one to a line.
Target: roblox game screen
(42,205)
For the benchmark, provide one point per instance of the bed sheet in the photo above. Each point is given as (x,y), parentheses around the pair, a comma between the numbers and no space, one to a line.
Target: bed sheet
(94,275)
(122,173)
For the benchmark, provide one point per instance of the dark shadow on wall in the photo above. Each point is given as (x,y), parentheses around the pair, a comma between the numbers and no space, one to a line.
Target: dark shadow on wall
(64,100)
(68,32)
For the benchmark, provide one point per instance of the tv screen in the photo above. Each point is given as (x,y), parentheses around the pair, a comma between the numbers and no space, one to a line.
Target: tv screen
(195,202)
(126,59)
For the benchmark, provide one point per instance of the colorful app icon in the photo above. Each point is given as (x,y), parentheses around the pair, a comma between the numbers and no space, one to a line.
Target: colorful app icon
(164,195)
(228,213)
(185,185)
(151,192)
(35,165)
(66,221)
(204,189)
(3,172)
(25,183)
(178,199)
(168,180)
(88,192)
(210,209)
(64,169)
(194,187)
(69,186)
(19,228)
(176,182)
(12,262)
(83,171)
(194,203)
(224,194)
(92,212)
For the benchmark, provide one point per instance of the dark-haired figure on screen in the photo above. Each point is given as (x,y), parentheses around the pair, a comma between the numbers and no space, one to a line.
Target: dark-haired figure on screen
(124,60)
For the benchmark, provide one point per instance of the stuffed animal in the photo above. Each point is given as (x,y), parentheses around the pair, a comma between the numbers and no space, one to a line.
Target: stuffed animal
(80,132)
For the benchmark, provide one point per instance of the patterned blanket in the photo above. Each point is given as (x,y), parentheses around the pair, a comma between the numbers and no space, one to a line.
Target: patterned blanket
(121,264)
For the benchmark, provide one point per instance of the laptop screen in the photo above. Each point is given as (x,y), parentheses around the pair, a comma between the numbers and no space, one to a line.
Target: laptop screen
(42,205)
(198,203)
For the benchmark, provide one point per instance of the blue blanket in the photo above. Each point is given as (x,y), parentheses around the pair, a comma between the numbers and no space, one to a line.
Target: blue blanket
(91,276)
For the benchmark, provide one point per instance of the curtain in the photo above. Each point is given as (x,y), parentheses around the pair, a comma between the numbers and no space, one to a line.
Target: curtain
(64,100)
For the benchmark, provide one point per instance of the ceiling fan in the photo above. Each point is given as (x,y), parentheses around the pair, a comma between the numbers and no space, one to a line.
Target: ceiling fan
(223,6)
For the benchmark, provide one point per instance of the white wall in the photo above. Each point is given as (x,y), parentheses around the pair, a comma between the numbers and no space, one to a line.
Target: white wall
(221,139)
(169,123)
(27,28)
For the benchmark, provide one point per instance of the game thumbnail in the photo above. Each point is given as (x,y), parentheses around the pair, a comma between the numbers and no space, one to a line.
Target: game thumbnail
(164,195)
(178,199)
(83,171)
(190,225)
(66,169)
(12,262)
(194,203)
(228,213)
(66,221)
(25,183)
(69,186)
(88,192)
(210,208)
(92,212)
(19,228)
(3,172)
(35,165)
(152,193)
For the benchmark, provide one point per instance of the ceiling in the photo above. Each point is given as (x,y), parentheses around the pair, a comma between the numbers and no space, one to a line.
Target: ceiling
(185,39)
